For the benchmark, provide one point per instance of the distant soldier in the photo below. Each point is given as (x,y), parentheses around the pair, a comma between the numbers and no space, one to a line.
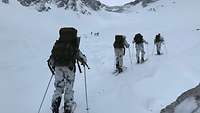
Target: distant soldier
(119,49)
(5,1)
(158,41)
(138,40)
(97,33)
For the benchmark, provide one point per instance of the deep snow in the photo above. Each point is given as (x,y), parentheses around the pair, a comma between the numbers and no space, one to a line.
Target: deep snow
(26,39)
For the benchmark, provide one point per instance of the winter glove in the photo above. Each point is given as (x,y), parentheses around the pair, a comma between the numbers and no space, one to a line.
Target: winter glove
(51,62)
(128,45)
(51,65)
(83,60)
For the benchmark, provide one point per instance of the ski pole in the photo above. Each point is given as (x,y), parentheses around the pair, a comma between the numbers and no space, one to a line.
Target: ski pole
(153,49)
(165,48)
(134,52)
(45,93)
(130,55)
(86,94)
(147,51)
(79,67)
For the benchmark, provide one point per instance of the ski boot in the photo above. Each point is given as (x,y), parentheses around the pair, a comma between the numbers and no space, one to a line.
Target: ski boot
(120,70)
(142,60)
(56,105)
(138,60)
(70,107)
(158,53)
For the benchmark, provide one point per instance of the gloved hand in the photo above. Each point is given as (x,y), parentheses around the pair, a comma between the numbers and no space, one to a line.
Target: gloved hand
(128,45)
(51,62)
(83,60)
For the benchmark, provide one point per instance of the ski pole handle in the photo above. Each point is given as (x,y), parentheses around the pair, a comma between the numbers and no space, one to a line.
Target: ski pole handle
(50,68)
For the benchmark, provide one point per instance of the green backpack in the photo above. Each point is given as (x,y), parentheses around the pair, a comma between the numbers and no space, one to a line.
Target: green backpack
(64,52)
(119,41)
(138,38)
(157,39)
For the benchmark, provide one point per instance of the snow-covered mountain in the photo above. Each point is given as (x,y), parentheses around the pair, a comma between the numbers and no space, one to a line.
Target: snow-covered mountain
(82,6)
(188,102)
(27,37)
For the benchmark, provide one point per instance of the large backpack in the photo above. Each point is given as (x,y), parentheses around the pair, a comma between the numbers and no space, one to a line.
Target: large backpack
(119,41)
(157,39)
(65,49)
(138,38)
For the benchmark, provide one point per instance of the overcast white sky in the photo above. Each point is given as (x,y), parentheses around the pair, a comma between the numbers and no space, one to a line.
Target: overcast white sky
(115,2)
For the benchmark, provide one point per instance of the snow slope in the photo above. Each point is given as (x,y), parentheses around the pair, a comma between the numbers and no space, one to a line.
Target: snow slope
(26,39)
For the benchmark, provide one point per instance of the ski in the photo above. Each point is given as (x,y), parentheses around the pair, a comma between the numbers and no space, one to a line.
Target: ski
(144,61)
(117,72)
(141,62)
(159,54)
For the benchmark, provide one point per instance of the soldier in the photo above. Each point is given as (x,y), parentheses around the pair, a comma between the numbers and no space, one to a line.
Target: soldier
(139,45)
(63,57)
(158,41)
(119,48)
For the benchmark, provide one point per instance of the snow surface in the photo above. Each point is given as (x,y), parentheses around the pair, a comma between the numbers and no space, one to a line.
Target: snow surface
(27,37)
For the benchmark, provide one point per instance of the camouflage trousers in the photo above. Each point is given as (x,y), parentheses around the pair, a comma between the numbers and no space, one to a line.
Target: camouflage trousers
(158,47)
(64,81)
(119,53)
(139,50)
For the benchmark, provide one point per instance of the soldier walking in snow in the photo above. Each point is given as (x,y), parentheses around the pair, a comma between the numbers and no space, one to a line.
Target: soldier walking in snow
(138,40)
(158,41)
(119,49)
(64,55)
